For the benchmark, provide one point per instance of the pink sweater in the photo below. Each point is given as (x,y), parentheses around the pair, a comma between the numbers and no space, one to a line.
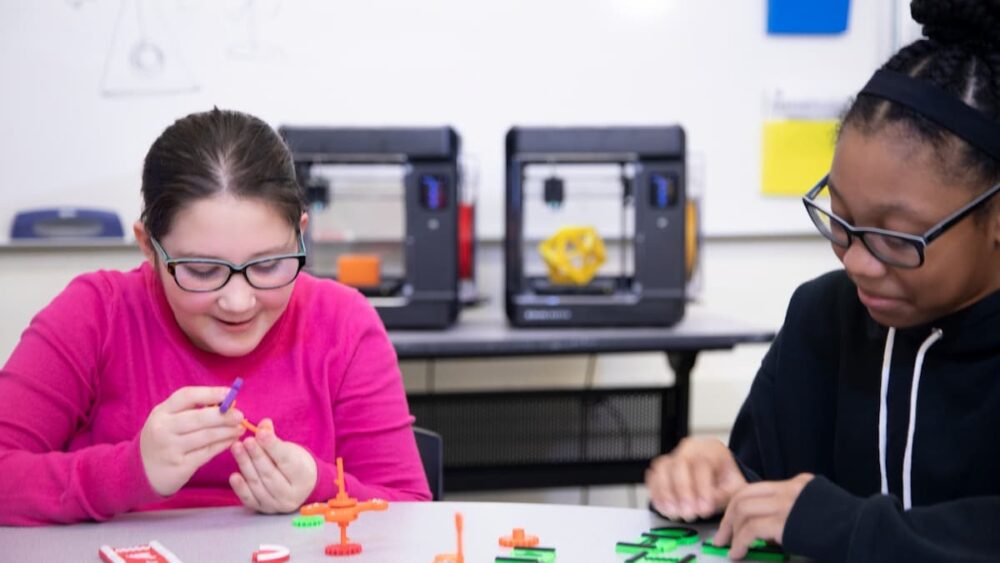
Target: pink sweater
(76,392)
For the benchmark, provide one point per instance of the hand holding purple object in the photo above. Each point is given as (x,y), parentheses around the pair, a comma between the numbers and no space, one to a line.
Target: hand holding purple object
(231,396)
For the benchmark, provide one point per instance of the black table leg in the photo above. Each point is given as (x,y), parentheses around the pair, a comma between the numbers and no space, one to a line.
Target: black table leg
(682,363)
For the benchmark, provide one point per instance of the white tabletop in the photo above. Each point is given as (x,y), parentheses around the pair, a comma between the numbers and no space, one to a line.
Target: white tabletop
(406,532)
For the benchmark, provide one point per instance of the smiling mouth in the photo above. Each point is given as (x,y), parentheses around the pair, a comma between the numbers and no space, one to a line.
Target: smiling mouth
(874,301)
(235,323)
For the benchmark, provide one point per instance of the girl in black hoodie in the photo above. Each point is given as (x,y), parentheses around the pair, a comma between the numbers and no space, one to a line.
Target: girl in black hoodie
(868,431)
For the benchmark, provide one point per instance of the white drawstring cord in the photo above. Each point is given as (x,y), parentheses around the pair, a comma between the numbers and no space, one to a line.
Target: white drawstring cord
(936,335)
(883,411)
(883,408)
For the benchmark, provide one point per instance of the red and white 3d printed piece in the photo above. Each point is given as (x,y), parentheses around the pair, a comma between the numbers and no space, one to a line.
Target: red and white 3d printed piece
(152,553)
(271,553)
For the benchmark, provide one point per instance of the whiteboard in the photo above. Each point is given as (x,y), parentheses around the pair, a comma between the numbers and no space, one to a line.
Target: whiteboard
(89,84)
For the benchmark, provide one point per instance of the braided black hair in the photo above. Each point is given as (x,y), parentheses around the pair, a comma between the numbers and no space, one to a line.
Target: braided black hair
(960,54)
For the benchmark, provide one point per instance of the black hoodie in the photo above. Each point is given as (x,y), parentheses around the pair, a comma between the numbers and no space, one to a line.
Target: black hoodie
(815,406)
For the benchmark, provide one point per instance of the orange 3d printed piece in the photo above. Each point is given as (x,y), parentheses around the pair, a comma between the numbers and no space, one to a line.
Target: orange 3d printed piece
(458,556)
(342,510)
(358,270)
(519,539)
(246,423)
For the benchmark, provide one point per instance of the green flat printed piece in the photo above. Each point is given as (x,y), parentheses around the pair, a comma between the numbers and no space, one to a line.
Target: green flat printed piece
(307,521)
(628,547)
(664,545)
(505,559)
(659,558)
(683,536)
(666,559)
(759,551)
(543,554)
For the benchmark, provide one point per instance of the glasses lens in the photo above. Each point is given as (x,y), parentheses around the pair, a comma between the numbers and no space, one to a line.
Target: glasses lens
(829,227)
(200,276)
(896,251)
(273,273)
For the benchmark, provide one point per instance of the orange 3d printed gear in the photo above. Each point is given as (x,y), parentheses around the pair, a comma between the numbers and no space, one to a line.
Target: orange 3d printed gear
(342,510)
(519,539)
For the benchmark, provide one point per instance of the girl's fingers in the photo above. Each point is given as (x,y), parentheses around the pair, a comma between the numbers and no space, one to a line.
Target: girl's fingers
(253,480)
(271,477)
(242,490)
(684,489)
(705,487)
(195,441)
(193,420)
(202,455)
(187,398)
(660,489)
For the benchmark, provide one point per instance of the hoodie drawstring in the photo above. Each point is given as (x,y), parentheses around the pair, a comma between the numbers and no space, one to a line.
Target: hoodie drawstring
(935,335)
(883,408)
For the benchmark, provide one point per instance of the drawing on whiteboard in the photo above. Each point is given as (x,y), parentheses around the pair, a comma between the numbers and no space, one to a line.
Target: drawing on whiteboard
(250,46)
(143,59)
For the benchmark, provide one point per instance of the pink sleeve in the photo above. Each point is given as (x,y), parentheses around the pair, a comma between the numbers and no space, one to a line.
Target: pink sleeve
(374,429)
(47,389)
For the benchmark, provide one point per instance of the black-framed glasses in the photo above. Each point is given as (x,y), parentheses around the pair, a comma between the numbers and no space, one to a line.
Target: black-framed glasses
(211,274)
(894,248)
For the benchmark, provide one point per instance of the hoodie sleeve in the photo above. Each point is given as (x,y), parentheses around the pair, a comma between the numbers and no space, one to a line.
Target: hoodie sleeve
(753,432)
(786,424)
(47,389)
(829,524)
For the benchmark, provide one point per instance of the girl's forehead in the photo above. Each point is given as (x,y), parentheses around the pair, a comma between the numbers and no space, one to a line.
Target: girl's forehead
(225,224)
(226,211)
(890,171)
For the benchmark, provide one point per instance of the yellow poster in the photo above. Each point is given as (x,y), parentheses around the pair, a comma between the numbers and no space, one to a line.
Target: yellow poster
(797,152)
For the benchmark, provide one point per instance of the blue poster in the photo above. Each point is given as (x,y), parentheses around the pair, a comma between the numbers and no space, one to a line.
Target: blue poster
(807,16)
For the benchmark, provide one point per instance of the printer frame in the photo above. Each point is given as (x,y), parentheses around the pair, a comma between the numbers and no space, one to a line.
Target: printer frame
(428,296)
(655,293)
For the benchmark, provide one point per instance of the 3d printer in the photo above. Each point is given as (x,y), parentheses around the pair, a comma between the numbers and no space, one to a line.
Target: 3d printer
(599,231)
(384,216)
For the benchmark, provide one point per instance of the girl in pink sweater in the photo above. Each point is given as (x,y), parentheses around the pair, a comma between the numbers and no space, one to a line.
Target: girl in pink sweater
(107,397)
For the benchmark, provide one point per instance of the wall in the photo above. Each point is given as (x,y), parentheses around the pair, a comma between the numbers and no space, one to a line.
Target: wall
(88,84)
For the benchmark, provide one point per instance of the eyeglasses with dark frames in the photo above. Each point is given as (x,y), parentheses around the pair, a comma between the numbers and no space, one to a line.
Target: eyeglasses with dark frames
(894,248)
(202,275)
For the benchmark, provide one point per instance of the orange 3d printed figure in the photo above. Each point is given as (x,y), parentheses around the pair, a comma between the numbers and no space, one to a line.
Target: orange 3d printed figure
(342,510)
(458,556)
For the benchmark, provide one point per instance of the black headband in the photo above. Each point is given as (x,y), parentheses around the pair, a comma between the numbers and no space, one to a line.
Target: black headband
(938,106)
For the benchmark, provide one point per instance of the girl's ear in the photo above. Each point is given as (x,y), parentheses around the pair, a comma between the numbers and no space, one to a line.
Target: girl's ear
(303,222)
(142,239)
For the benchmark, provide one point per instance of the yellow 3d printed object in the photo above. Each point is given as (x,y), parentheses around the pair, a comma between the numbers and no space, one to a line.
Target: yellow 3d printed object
(573,255)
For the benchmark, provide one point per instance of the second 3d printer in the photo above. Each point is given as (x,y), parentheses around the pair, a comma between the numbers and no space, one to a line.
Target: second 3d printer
(599,230)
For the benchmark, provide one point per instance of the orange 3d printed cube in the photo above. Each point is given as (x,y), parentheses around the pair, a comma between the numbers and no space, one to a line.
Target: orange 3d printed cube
(358,270)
